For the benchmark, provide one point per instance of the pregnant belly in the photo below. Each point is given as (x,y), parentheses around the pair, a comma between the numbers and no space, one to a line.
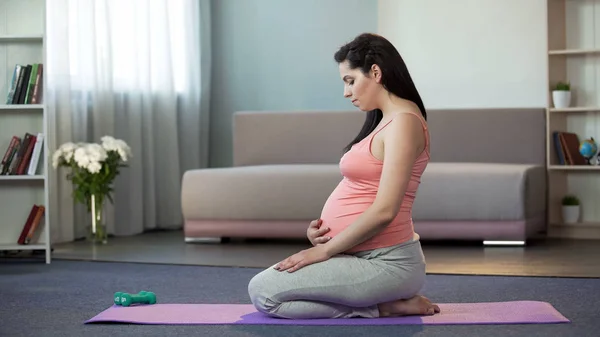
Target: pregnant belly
(339,213)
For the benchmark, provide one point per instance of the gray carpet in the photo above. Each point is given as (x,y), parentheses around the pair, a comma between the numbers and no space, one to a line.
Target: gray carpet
(55,300)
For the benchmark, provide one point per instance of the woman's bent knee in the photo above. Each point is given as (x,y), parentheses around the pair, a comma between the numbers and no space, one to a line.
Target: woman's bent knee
(260,291)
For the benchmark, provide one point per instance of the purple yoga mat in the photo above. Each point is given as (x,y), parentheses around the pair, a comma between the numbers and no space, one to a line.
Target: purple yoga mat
(516,312)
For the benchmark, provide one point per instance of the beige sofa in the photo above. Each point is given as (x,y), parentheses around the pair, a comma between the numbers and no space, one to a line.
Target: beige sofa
(486,180)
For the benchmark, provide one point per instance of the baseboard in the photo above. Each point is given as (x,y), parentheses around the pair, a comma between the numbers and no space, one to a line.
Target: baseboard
(574,232)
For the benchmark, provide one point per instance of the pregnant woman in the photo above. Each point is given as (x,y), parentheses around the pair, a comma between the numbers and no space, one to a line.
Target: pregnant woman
(366,260)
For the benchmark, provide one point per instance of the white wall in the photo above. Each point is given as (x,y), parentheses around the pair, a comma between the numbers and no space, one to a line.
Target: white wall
(471,53)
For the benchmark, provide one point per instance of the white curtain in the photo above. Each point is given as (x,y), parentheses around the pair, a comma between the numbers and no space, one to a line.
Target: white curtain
(138,70)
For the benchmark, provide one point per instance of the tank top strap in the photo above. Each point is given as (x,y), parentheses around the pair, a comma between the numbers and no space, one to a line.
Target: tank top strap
(423,123)
(419,116)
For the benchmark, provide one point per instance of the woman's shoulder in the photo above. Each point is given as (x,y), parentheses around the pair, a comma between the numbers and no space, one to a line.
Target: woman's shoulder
(409,117)
(407,126)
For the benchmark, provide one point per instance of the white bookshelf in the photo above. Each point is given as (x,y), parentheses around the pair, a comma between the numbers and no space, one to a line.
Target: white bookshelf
(574,56)
(22,41)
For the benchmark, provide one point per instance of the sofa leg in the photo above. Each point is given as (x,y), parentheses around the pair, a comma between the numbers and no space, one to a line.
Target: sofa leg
(206,240)
(503,243)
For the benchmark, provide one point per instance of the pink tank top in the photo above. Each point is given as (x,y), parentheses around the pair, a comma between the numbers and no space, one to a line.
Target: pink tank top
(357,190)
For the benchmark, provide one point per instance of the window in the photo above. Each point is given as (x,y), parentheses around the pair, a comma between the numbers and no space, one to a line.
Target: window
(125,45)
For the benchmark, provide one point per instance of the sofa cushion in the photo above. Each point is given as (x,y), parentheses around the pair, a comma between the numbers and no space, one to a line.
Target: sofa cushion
(480,191)
(259,192)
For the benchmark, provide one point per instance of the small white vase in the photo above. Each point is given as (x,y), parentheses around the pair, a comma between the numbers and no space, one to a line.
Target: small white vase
(561,98)
(570,214)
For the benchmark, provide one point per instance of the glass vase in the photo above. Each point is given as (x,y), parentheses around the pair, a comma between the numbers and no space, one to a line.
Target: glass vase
(97,233)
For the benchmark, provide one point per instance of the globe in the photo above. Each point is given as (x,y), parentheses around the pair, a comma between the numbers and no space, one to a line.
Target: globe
(588,148)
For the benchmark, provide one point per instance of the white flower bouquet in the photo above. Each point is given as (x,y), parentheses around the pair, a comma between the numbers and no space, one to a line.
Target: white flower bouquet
(94,168)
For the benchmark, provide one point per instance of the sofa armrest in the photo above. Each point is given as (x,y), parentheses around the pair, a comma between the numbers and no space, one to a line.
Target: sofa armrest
(481,191)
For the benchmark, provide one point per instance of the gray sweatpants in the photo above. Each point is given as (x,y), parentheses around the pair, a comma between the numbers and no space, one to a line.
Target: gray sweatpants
(346,285)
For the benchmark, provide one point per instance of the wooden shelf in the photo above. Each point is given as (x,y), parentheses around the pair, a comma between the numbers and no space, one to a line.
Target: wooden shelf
(580,52)
(574,167)
(577,224)
(580,230)
(21,38)
(21,106)
(576,109)
(23,247)
(21,177)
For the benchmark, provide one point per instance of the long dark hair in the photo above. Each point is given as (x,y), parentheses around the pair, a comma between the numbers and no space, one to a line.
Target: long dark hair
(368,49)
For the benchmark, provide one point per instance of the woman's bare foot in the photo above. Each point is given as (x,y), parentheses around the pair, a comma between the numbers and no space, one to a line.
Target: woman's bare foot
(417,305)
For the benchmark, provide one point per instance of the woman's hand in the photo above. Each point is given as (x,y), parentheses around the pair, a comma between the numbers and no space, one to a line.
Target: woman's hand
(316,234)
(303,258)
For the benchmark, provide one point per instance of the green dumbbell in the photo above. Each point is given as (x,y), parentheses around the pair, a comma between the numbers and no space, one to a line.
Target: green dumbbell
(126,299)
(117,297)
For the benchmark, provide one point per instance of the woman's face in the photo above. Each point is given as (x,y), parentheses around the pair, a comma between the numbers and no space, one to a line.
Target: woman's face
(360,89)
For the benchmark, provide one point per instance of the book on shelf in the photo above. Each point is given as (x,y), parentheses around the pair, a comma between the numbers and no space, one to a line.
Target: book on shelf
(566,145)
(26,84)
(22,155)
(31,224)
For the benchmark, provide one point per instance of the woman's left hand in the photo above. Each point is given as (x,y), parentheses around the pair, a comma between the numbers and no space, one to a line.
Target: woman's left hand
(303,258)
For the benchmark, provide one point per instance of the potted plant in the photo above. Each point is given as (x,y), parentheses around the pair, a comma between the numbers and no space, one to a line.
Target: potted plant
(94,168)
(570,209)
(561,95)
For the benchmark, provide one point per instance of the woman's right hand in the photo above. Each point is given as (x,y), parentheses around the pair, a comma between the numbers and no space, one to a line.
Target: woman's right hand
(316,234)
